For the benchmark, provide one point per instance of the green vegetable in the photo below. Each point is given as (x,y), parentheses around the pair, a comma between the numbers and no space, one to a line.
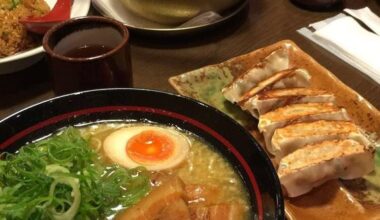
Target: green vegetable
(63,178)
(72,211)
(15,3)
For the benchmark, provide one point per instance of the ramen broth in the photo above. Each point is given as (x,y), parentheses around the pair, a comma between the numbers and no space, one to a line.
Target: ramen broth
(203,167)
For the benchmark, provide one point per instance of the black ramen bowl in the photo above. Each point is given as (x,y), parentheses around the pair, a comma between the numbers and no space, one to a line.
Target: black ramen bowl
(228,137)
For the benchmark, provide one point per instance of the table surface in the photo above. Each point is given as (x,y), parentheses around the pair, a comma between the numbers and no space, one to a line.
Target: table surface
(155,60)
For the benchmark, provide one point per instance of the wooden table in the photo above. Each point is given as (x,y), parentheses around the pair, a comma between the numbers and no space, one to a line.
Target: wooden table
(155,60)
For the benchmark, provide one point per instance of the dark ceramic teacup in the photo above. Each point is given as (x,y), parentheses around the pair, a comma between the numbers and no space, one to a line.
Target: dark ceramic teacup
(87,53)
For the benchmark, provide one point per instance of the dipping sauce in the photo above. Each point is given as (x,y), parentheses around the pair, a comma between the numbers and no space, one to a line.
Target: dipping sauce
(87,51)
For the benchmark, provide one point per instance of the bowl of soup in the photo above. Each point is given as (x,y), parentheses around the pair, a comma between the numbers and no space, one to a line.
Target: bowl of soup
(132,154)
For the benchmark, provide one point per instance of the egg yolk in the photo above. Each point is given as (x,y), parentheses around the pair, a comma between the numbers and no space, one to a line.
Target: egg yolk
(150,146)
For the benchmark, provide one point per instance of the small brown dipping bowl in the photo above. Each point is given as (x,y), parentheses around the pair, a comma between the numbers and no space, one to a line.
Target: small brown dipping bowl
(88,53)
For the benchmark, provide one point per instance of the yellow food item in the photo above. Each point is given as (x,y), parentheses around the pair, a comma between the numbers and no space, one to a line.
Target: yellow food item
(13,35)
(154,147)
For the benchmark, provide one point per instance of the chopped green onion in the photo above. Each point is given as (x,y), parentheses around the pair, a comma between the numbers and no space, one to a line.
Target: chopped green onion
(63,178)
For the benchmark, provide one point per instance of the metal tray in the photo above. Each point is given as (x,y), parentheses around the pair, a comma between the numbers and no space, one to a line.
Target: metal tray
(115,9)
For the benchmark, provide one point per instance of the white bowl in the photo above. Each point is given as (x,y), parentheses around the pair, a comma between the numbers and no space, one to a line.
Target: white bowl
(27,58)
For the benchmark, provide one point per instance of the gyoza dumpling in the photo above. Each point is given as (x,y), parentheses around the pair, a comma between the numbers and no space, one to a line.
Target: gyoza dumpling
(285,79)
(267,101)
(295,136)
(295,113)
(309,167)
(278,60)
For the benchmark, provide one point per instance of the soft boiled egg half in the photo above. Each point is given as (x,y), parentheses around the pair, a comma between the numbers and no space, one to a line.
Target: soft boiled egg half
(155,148)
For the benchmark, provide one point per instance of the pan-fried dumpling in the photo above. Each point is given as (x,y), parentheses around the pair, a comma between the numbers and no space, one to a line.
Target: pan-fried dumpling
(295,136)
(295,113)
(309,167)
(267,101)
(278,60)
(291,78)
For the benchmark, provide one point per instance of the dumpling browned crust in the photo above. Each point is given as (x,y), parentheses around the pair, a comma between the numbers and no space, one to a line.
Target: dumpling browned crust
(306,168)
(296,113)
(292,137)
(277,61)
(284,79)
(269,100)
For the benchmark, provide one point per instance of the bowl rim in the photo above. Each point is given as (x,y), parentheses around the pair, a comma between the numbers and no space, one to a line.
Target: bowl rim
(123,31)
(278,200)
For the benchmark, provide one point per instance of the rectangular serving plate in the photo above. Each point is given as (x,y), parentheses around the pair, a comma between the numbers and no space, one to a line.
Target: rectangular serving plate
(332,200)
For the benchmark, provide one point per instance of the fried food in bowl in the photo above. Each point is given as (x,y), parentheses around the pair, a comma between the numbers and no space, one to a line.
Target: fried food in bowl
(13,35)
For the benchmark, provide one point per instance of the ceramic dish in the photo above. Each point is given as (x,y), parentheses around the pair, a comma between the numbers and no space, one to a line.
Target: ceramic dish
(115,9)
(26,58)
(334,199)
(76,109)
